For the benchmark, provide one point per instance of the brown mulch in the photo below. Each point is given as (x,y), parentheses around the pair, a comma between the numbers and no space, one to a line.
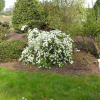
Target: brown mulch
(15,35)
(80,66)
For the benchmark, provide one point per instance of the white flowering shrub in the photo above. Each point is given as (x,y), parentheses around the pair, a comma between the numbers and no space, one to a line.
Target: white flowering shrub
(47,48)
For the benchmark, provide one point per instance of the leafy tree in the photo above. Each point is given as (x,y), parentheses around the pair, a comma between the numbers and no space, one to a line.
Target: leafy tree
(66,15)
(96,7)
(2,5)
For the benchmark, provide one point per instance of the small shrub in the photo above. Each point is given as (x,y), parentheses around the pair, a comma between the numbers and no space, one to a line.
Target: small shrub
(11,49)
(47,48)
(5,24)
(3,33)
(41,25)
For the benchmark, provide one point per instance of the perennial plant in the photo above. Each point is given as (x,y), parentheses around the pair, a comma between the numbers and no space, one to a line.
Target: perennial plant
(47,48)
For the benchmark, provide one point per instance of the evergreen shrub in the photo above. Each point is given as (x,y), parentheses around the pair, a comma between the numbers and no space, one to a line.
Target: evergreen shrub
(26,10)
(11,49)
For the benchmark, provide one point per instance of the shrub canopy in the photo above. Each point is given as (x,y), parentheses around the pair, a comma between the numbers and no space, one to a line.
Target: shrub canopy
(47,48)
(26,10)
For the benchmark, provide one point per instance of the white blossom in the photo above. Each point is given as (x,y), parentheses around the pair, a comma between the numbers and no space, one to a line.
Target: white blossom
(22,29)
(39,49)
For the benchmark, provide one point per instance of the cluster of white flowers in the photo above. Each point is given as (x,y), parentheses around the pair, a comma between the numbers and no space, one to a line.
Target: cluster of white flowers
(23,27)
(42,45)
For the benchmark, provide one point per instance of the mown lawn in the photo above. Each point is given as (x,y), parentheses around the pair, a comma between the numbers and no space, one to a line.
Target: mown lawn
(45,86)
(6,18)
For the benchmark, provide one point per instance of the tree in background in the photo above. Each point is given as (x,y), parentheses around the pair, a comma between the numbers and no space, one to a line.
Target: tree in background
(2,5)
(66,15)
(96,8)
(48,6)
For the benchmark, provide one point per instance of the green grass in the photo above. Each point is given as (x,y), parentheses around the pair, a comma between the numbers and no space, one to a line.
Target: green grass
(45,86)
(11,50)
(8,18)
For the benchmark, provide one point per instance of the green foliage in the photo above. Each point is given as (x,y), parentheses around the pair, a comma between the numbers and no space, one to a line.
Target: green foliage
(3,33)
(41,25)
(48,7)
(2,4)
(47,48)
(34,24)
(96,7)
(5,24)
(7,13)
(11,49)
(26,10)
(91,28)
(66,18)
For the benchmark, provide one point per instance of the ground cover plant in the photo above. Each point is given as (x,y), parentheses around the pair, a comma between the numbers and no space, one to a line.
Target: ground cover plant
(19,85)
(10,50)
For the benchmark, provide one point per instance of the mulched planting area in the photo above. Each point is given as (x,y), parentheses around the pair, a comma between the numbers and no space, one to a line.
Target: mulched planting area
(80,67)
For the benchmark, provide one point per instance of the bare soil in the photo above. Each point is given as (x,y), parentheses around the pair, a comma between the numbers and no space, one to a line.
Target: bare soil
(80,67)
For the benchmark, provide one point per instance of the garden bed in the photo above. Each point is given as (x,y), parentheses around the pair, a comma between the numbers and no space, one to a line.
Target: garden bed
(84,63)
